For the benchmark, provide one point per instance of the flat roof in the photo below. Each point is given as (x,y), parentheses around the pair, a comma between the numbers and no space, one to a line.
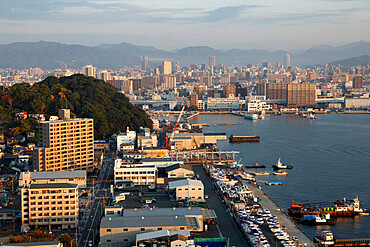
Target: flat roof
(67,120)
(56,174)
(162,212)
(185,182)
(52,186)
(159,234)
(142,221)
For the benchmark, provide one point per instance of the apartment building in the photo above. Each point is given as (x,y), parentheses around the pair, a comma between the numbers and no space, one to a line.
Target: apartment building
(49,206)
(65,144)
(127,175)
(71,177)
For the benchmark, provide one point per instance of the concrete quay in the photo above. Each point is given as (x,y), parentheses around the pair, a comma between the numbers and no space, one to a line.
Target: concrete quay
(292,229)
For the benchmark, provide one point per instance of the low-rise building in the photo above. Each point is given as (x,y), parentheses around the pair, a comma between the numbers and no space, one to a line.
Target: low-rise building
(187,189)
(123,138)
(49,206)
(223,104)
(179,171)
(128,175)
(123,231)
(71,177)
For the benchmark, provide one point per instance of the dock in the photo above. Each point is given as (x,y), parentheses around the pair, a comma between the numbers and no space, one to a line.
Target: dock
(292,228)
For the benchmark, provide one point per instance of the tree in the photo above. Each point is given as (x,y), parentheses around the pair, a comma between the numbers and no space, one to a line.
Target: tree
(66,240)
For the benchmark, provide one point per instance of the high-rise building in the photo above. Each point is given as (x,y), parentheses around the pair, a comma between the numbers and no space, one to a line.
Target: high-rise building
(302,94)
(357,82)
(229,91)
(49,205)
(144,63)
(104,75)
(194,100)
(65,144)
(89,70)
(166,68)
(287,61)
(212,61)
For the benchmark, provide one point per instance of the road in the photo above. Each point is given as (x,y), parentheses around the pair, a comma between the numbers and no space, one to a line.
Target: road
(227,226)
(90,224)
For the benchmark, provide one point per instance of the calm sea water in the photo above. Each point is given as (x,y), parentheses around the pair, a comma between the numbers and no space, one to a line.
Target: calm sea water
(331,158)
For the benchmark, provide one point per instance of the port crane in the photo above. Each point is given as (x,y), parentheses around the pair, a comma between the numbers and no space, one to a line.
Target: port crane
(168,141)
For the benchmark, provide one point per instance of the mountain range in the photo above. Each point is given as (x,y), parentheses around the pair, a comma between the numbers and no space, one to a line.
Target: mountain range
(52,55)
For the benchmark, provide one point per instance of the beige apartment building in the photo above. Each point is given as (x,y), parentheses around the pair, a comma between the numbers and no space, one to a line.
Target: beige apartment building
(65,144)
(70,177)
(49,206)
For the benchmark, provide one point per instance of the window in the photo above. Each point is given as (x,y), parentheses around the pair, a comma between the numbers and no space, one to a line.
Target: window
(125,239)
(142,229)
(182,228)
(125,229)
(108,240)
(159,228)
(109,230)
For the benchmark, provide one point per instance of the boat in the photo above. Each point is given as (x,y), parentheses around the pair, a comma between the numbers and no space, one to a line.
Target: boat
(261,115)
(254,166)
(315,219)
(311,116)
(251,116)
(337,208)
(233,139)
(261,173)
(280,173)
(273,183)
(280,165)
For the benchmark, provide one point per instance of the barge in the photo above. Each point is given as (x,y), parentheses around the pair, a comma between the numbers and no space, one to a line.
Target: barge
(233,139)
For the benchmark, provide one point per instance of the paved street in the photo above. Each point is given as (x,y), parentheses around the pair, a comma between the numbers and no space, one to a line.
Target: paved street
(226,224)
(90,228)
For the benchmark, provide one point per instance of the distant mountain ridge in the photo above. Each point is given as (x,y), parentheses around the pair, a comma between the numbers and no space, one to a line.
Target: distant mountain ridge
(53,55)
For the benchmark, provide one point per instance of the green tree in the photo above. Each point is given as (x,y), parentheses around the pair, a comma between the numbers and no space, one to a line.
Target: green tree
(66,240)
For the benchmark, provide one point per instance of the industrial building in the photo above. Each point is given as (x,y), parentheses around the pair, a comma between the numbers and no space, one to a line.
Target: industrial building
(187,189)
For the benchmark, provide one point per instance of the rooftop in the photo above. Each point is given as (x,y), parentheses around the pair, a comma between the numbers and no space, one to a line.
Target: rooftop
(55,175)
(120,222)
(52,186)
(184,182)
(149,212)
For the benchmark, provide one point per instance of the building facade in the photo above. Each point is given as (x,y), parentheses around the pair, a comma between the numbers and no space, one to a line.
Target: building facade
(49,206)
(127,175)
(66,144)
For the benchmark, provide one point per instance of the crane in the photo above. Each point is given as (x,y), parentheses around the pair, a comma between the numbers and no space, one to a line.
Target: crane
(159,154)
(168,142)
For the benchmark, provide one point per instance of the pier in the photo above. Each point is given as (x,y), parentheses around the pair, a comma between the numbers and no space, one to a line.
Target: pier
(293,229)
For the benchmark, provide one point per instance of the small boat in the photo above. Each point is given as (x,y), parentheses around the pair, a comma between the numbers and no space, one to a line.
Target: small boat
(280,165)
(317,220)
(311,116)
(233,139)
(251,116)
(274,183)
(280,173)
(254,166)
(261,173)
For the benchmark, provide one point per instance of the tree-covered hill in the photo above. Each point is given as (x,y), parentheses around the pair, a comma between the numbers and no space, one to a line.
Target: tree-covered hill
(87,97)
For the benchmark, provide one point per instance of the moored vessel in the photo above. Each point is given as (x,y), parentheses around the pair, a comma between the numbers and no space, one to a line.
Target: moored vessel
(251,116)
(233,139)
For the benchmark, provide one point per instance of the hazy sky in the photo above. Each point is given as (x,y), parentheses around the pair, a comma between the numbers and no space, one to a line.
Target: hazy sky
(171,24)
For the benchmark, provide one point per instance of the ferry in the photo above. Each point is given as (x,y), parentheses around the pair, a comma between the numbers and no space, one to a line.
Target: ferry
(233,139)
(251,116)
(334,209)
(280,165)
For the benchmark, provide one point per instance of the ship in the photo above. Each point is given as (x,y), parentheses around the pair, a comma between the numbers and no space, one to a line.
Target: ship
(280,173)
(251,116)
(254,166)
(280,165)
(313,220)
(233,139)
(334,209)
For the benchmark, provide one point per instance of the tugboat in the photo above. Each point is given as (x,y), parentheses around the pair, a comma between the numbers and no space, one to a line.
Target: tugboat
(280,165)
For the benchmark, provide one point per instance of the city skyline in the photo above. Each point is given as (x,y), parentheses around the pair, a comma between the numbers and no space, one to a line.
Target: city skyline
(171,25)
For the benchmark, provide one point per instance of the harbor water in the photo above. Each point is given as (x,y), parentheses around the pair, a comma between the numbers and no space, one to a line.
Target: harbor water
(331,158)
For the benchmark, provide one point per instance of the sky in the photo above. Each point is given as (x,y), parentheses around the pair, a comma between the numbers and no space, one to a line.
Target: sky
(174,24)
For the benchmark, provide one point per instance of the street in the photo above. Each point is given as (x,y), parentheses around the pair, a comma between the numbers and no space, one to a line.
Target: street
(89,224)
